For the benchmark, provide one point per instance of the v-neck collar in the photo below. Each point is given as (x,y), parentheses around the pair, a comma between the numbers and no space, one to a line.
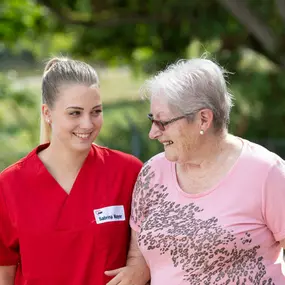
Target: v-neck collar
(42,170)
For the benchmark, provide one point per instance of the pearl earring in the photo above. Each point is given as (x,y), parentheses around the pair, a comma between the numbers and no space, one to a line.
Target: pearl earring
(201,132)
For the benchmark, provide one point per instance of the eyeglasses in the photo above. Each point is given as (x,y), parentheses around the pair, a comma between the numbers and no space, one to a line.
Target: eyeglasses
(161,124)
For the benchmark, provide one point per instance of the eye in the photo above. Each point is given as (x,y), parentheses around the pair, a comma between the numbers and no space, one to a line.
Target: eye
(74,113)
(162,122)
(96,112)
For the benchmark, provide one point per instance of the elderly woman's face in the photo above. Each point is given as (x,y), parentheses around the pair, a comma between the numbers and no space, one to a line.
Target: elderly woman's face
(180,137)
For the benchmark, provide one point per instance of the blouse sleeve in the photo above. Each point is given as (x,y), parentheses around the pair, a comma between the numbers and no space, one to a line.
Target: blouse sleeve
(9,253)
(141,197)
(274,200)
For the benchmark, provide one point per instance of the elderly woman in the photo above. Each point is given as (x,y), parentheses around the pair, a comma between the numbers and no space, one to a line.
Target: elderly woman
(210,208)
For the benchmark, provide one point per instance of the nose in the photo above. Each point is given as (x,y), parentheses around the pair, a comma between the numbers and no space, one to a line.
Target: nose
(86,122)
(154,132)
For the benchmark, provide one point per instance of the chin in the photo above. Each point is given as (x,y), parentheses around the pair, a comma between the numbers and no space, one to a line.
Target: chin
(171,156)
(82,147)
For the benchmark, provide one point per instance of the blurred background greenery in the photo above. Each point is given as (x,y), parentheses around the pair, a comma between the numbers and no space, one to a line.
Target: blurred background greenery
(127,40)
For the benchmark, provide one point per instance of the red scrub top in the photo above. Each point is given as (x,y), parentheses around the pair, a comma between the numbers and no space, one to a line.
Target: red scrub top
(57,238)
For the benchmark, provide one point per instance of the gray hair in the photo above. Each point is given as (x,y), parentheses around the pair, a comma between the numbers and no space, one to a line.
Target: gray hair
(58,72)
(191,85)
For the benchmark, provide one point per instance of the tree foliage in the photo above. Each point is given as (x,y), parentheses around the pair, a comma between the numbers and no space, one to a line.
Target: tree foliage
(246,37)
(19,118)
(156,32)
(150,34)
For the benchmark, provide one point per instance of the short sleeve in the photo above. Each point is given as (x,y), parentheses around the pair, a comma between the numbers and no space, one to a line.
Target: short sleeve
(274,200)
(141,193)
(136,167)
(9,254)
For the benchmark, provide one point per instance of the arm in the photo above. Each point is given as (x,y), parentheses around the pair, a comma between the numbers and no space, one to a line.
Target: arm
(135,258)
(136,270)
(273,201)
(9,255)
(7,275)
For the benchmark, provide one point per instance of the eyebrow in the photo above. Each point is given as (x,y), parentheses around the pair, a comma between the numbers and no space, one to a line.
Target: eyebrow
(158,118)
(79,108)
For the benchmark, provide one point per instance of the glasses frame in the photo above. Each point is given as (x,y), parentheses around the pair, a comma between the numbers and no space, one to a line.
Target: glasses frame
(161,124)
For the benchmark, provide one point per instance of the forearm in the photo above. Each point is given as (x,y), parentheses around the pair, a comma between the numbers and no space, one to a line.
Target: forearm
(7,275)
(136,270)
(136,259)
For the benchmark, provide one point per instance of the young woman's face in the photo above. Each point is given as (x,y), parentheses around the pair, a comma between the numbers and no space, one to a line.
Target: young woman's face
(76,117)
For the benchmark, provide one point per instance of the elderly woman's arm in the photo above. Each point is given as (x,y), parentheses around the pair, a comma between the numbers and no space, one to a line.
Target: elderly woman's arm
(7,275)
(136,271)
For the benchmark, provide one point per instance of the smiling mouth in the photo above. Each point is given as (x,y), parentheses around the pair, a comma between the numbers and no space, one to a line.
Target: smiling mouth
(167,143)
(82,136)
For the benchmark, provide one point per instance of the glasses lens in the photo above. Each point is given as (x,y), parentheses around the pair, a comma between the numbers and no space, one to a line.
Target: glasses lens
(159,125)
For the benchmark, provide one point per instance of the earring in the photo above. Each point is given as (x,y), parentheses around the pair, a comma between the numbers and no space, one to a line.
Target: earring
(48,121)
(201,132)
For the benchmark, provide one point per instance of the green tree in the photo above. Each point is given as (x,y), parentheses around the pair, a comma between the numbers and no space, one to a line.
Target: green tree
(153,33)
(245,36)
(19,116)
(26,25)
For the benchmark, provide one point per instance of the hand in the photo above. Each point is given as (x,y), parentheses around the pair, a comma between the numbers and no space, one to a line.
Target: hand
(128,275)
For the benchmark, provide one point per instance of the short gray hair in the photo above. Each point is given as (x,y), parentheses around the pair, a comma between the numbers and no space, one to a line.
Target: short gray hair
(191,85)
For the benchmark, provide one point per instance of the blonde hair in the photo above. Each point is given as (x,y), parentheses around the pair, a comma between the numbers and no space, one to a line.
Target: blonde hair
(59,71)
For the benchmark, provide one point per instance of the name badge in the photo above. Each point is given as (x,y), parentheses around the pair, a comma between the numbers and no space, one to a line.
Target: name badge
(109,214)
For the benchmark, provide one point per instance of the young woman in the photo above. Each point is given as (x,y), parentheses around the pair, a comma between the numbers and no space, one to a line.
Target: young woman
(64,208)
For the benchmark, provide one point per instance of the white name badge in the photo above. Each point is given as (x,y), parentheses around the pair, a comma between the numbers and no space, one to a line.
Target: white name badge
(109,214)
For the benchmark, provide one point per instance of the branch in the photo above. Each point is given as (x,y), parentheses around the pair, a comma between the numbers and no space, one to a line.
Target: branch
(281,7)
(85,19)
(254,44)
(252,23)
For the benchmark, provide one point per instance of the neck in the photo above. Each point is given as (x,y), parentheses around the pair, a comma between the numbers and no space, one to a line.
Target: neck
(62,157)
(211,147)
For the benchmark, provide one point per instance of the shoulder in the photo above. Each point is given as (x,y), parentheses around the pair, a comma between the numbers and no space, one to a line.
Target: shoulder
(259,155)
(18,168)
(262,164)
(152,179)
(116,157)
(157,161)
(155,168)
(16,176)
